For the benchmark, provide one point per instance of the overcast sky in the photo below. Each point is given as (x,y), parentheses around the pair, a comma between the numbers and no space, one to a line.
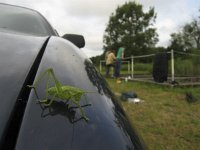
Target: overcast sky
(90,17)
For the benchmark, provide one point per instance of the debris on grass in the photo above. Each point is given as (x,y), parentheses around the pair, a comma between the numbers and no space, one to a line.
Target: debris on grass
(135,100)
(130,96)
(190,97)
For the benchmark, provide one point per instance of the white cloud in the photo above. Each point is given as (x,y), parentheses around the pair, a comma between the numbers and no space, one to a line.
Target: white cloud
(91,52)
(171,15)
(164,29)
(89,8)
(89,17)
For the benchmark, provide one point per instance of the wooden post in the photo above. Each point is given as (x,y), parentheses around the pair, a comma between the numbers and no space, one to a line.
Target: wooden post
(128,67)
(132,67)
(172,64)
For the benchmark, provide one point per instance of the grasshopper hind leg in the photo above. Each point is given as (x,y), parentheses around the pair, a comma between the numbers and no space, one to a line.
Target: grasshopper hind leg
(87,102)
(81,110)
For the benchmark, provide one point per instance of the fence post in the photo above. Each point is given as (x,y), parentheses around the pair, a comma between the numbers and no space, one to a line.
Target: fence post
(128,67)
(132,66)
(172,64)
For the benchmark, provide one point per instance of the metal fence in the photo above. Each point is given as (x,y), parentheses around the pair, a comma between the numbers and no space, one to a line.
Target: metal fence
(131,64)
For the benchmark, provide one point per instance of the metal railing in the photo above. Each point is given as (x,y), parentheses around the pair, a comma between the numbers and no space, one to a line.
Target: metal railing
(132,63)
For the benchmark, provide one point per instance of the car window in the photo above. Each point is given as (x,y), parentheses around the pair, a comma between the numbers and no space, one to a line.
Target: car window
(22,20)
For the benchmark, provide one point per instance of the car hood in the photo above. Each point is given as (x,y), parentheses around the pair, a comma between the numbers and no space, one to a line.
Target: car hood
(60,126)
(18,53)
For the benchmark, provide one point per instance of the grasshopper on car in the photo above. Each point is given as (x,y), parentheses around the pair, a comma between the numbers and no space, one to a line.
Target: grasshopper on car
(63,92)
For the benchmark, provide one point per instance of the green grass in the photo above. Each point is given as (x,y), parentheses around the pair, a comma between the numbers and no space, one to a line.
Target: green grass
(165,120)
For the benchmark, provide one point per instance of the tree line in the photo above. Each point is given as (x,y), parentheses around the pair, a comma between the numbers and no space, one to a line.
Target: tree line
(129,26)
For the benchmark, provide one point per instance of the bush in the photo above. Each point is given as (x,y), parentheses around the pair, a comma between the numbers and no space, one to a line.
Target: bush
(188,67)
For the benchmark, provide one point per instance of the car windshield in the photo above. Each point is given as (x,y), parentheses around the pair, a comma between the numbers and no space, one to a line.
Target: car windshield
(22,20)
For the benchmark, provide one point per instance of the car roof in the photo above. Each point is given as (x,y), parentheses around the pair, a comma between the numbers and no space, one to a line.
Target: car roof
(15,17)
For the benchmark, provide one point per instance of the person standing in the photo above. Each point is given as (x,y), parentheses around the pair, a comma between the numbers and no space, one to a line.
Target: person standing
(120,56)
(109,62)
(106,54)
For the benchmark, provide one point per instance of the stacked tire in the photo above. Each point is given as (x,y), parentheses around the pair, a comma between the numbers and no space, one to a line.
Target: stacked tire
(160,67)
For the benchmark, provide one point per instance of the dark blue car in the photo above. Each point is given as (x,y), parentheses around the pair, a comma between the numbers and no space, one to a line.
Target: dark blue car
(28,46)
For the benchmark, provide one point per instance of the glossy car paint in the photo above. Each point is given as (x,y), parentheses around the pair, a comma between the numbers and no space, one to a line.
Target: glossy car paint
(58,127)
(17,54)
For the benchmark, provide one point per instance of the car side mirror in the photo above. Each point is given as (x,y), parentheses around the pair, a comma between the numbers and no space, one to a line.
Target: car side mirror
(77,40)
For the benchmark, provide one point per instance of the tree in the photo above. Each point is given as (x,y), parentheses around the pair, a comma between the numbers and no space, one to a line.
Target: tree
(132,28)
(188,38)
(177,42)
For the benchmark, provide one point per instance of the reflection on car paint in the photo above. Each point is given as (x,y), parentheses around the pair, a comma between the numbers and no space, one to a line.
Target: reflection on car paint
(120,117)
(96,78)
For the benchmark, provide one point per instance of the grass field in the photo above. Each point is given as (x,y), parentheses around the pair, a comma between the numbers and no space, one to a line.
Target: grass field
(165,120)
